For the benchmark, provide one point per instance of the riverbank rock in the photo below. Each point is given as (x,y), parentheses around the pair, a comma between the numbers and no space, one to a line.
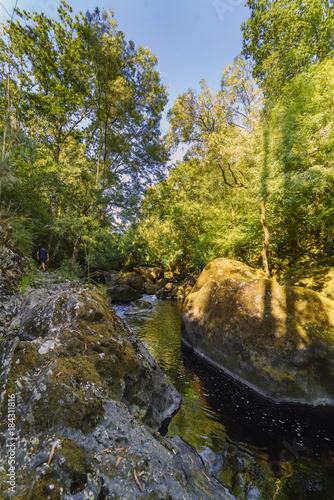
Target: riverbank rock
(151,288)
(88,401)
(149,274)
(278,340)
(125,288)
(144,305)
(174,291)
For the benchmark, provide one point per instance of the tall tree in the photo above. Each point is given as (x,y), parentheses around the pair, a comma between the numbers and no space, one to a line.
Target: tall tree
(283,37)
(58,96)
(224,131)
(218,127)
(91,97)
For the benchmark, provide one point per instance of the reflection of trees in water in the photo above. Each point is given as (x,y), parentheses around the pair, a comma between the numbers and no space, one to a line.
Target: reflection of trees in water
(256,449)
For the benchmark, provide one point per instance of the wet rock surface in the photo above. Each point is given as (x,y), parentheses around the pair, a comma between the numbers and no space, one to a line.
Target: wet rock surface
(89,401)
(278,340)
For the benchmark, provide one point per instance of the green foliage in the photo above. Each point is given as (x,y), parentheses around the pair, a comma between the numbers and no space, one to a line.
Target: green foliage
(24,233)
(301,159)
(29,275)
(81,110)
(284,37)
(69,270)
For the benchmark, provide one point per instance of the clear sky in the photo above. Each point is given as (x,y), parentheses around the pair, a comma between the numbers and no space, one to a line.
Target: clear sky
(193,39)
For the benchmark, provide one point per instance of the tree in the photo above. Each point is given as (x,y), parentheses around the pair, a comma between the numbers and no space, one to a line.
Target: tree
(217,128)
(89,107)
(56,101)
(301,158)
(224,130)
(283,37)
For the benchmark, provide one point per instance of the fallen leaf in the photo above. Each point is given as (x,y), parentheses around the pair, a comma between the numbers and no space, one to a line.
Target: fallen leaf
(137,481)
(58,374)
(206,476)
(51,453)
(191,459)
(118,461)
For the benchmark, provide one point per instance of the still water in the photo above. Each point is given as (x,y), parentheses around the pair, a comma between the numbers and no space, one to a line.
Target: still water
(256,449)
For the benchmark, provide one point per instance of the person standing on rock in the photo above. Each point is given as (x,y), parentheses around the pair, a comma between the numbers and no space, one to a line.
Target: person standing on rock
(42,256)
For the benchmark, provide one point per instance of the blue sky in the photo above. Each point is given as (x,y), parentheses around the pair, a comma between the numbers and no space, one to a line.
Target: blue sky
(193,39)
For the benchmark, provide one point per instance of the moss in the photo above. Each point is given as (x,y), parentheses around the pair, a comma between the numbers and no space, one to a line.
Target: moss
(29,359)
(74,460)
(60,406)
(41,489)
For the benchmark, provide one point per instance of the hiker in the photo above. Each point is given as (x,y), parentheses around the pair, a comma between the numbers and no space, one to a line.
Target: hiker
(42,256)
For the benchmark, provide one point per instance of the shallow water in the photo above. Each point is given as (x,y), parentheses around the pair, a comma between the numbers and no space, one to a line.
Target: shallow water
(257,449)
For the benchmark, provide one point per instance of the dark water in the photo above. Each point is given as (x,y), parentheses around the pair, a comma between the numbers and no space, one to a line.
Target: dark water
(256,449)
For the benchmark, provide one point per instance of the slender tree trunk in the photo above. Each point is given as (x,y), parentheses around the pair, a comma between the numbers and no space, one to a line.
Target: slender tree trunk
(55,250)
(54,201)
(76,245)
(266,238)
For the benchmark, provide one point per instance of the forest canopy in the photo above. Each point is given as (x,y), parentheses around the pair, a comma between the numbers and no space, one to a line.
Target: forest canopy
(84,166)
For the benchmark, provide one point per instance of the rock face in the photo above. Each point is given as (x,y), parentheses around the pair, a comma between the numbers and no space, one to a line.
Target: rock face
(88,391)
(150,274)
(126,288)
(11,261)
(278,340)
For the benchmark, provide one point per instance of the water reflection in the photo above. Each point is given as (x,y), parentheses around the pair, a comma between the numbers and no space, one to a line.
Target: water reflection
(256,449)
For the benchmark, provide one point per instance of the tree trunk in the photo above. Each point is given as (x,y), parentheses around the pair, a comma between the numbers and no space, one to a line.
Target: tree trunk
(266,238)
(55,250)
(77,245)
(54,200)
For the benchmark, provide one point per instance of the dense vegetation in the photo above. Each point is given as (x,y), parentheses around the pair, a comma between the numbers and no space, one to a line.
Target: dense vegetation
(83,165)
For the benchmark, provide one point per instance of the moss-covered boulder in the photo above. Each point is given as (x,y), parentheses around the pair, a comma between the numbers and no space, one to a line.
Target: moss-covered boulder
(278,340)
(88,401)
(76,330)
(149,274)
(126,288)
(151,288)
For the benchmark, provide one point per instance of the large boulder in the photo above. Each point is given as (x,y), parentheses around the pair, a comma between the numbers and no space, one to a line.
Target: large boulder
(278,340)
(86,401)
(151,288)
(126,288)
(149,274)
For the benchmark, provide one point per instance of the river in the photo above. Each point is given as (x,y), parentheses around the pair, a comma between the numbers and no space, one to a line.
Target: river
(258,450)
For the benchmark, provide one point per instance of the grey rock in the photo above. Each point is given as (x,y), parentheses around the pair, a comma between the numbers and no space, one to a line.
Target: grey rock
(86,388)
